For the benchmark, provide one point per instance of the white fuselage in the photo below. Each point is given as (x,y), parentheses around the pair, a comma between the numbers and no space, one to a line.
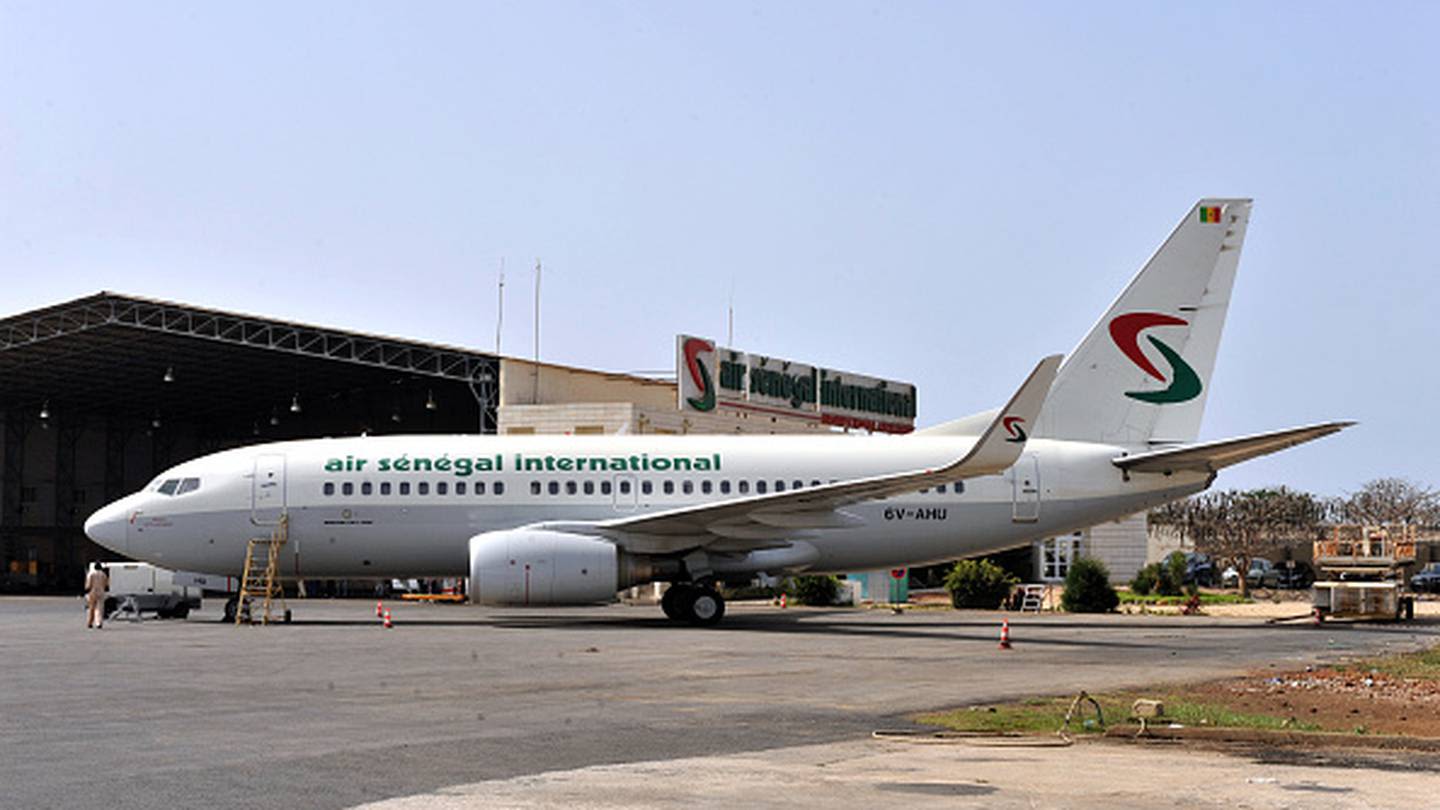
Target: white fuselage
(407,505)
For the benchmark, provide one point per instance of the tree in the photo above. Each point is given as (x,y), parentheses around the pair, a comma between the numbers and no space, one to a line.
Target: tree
(1236,527)
(1392,501)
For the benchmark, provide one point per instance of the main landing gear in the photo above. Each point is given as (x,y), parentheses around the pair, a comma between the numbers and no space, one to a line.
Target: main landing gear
(699,605)
(233,604)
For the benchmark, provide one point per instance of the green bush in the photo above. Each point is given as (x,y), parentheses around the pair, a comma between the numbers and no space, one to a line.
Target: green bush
(1164,578)
(1173,580)
(1144,581)
(814,589)
(1087,588)
(978,584)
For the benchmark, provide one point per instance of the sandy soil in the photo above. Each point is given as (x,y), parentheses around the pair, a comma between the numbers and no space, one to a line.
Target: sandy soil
(1335,699)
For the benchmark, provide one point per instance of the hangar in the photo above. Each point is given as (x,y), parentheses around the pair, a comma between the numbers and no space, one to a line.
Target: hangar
(99,394)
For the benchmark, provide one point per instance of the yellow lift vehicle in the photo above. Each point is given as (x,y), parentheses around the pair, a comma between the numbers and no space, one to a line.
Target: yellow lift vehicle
(1360,573)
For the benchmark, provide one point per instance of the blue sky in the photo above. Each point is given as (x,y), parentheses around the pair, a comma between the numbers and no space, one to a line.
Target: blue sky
(940,193)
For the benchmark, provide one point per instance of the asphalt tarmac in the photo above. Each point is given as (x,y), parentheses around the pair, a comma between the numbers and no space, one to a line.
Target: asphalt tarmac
(333,710)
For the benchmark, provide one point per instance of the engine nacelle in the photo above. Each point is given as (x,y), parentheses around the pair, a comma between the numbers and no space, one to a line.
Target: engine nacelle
(525,567)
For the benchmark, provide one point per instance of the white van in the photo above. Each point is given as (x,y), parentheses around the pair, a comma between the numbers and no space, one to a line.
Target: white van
(152,589)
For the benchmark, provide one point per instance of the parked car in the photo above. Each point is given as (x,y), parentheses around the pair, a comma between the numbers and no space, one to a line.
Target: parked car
(1262,574)
(1294,575)
(1427,580)
(1200,570)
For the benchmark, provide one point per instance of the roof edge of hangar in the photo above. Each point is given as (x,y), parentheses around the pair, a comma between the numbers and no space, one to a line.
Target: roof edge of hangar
(108,308)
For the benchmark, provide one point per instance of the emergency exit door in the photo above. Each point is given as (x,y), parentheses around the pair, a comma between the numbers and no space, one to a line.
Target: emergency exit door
(1025,490)
(267,490)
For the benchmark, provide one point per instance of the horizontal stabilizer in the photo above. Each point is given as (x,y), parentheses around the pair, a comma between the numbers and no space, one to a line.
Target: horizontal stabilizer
(1212,456)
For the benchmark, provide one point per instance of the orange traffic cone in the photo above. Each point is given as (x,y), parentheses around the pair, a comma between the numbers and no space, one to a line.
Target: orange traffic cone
(1005,634)
(379,609)
(388,625)
(783,602)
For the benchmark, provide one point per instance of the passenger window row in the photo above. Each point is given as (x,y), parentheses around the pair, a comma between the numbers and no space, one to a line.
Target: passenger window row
(417,488)
(667,487)
(957,487)
(589,487)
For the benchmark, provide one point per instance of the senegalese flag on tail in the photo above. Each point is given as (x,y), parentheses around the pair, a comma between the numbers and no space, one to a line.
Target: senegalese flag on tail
(1209,213)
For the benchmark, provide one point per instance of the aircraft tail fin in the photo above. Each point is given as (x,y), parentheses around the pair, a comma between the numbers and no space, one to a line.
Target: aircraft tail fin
(1140,377)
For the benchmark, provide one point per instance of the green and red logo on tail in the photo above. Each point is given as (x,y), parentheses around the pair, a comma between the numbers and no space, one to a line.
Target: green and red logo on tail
(1184,382)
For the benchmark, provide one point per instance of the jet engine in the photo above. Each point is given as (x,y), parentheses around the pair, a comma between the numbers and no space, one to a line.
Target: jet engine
(540,567)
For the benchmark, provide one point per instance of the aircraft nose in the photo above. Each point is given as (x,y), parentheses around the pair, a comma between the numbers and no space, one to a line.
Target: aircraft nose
(109,526)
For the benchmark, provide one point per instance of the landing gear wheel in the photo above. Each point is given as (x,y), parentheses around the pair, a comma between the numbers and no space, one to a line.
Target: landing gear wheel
(230,606)
(706,607)
(674,600)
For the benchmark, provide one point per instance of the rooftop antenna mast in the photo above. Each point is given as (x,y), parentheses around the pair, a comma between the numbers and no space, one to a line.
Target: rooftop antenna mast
(487,377)
(537,331)
(500,310)
(730,312)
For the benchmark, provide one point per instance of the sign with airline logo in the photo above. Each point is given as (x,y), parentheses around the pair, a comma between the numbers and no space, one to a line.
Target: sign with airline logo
(716,378)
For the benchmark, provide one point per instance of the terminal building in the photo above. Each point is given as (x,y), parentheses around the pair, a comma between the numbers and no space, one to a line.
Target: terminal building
(100,394)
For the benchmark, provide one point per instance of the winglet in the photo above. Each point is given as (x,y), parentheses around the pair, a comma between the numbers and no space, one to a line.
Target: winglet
(1003,441)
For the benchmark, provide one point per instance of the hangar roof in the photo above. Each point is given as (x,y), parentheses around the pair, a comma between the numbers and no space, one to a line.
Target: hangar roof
(111,353)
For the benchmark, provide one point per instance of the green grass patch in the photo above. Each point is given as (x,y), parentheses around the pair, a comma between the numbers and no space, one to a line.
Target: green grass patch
(1423,665)
(1130,598)
(1046,715)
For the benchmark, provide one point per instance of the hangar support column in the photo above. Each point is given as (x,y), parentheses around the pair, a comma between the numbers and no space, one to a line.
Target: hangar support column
(13,475)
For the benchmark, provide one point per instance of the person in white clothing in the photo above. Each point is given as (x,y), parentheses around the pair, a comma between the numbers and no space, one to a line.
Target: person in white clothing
(97,583)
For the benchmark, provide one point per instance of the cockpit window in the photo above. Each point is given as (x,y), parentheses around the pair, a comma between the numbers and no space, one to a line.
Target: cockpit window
(168,488)
(188,485)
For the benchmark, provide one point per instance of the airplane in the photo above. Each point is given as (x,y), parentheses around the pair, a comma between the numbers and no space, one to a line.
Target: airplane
(564,520)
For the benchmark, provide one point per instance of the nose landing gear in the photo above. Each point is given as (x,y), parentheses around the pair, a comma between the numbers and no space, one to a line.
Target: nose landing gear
(699,605)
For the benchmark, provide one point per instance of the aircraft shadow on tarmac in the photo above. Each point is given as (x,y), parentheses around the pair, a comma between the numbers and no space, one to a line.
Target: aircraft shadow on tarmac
(841,623)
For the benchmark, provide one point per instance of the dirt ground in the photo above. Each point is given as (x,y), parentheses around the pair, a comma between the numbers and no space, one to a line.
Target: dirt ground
(1335,699)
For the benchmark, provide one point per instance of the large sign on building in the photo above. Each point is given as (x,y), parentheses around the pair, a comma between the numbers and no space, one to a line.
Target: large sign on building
(716,378)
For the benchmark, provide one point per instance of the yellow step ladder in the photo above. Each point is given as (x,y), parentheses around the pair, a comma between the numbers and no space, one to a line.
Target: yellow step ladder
(261,579)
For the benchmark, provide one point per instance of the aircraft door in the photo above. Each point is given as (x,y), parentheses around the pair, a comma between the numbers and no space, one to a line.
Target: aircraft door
(626,496)
(267,490)
(1025,489)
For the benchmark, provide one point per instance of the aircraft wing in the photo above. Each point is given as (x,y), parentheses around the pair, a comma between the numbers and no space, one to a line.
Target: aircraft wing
(1212,456)
(767,519)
